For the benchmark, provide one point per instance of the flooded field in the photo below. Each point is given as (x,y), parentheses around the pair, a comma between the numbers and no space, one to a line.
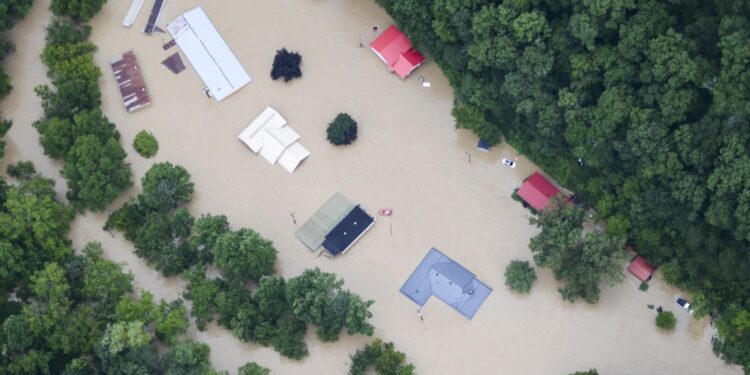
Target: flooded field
(408,157)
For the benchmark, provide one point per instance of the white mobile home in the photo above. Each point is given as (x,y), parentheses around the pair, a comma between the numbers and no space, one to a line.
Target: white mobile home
(209,54)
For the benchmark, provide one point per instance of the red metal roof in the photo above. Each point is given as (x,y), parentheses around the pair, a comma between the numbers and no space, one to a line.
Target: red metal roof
(396,51)
(537,191)
(641,268)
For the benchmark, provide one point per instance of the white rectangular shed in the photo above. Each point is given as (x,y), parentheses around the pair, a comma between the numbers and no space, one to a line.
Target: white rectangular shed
(209,54)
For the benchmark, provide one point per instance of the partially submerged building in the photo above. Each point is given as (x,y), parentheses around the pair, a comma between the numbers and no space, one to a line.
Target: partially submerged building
(336,226)
(537,191)
(441,276)
(130,81)
(641,268)
(153,17)
(208,53)
(395,49)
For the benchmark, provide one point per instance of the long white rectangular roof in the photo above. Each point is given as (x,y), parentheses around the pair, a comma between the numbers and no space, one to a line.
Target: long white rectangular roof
(209,54)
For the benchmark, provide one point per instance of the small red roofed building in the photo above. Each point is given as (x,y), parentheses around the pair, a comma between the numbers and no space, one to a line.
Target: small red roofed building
(537,191)
(395,49)
(641,268)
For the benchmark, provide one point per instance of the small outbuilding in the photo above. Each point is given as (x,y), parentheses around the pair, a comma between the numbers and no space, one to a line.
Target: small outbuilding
(483,146)
(641,268)
(537,191)
(395,49)
(336,226)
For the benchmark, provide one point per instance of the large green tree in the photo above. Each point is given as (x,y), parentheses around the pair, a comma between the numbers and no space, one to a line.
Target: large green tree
(104,282)
(581,261)
(317,298)
(96,172)
(383,357)
(244,255)
(166,186)
(188,358)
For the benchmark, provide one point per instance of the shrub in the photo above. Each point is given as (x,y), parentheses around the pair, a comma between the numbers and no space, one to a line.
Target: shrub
(666,320)
(23,170)
(643,287)
(145,144)
(286,64)
(519,276)
(4,127)
(253,368)
(342,130)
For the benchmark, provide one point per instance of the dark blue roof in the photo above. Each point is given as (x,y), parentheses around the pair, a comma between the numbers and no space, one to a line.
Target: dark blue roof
(450,282)
(347,230)
(483,145)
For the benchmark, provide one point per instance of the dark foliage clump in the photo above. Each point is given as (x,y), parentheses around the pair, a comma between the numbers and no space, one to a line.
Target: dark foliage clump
(286,65)
(342,130)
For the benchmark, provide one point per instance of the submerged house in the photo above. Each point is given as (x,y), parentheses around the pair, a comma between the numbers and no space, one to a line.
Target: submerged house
(641,268)
(208,53)
(537,191)
(440,276)
(395,49)
(336,226)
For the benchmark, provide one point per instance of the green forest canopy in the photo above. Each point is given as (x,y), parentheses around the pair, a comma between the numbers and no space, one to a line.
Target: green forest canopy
(640,107)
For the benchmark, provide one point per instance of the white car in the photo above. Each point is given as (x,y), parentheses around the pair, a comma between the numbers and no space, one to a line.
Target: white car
(683,303)
(509,163)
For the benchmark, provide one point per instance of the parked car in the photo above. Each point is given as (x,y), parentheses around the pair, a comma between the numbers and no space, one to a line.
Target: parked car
(509,163)
(685,305)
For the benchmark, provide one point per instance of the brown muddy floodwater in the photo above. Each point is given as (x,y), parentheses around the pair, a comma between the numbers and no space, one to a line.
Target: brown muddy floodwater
(408,157)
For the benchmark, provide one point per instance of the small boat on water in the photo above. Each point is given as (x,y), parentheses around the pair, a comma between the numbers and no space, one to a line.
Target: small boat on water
(385,212)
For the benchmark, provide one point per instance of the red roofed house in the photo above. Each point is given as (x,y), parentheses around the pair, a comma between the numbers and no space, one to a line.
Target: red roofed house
(537,191)
(394,48)
(641,268)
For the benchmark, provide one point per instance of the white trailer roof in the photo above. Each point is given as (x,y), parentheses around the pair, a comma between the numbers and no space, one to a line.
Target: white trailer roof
(209,54)
(135,8)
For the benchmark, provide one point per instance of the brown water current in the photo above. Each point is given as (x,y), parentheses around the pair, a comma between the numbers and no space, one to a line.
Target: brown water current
(408,157)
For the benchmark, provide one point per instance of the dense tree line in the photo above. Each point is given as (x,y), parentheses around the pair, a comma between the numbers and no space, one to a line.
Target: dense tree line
(63,313)
(640,107)
(10,12)
(276,312)
(73,127)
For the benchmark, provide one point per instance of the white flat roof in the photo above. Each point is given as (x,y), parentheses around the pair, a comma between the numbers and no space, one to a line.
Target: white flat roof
(209,54)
